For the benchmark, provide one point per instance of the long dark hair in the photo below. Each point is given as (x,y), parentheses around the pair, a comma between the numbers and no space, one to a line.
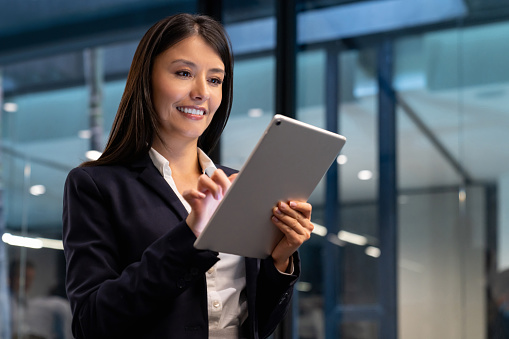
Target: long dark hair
(136,122)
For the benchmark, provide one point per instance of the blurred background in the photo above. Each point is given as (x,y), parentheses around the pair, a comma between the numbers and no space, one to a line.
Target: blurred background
(412,221)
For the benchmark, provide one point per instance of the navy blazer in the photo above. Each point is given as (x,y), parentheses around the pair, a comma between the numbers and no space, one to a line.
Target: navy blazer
(132,270)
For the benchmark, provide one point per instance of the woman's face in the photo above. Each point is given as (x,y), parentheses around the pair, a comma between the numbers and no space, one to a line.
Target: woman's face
(187,88)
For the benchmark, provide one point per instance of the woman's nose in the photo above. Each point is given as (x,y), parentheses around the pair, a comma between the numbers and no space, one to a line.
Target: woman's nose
(200,90)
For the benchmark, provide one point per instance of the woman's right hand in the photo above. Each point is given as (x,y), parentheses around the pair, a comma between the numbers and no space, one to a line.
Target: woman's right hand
(205,198)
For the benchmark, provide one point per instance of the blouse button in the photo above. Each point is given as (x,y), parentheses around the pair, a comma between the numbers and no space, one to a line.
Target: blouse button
(216,304)
(181,283)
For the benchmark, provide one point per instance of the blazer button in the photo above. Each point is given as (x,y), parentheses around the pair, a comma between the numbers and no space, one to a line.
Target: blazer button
(181,283)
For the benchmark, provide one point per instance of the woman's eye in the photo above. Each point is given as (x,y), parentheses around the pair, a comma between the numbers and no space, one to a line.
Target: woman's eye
(216,81)
(184,73)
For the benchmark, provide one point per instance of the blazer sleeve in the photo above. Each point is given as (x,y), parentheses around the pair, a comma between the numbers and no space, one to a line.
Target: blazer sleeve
(107,298)
(274,294)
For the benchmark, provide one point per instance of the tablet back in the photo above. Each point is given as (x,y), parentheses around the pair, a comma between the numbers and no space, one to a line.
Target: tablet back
(287,164)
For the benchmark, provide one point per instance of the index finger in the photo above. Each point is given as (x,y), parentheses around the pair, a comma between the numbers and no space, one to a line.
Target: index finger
(303,207)
(207,184)
(220,178)
(232,177)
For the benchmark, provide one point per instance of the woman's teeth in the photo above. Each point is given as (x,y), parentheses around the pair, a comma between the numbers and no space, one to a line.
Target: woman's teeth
(191,111)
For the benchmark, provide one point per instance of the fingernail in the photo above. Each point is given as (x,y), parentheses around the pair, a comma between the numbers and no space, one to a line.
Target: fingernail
(278,211)
(293,204)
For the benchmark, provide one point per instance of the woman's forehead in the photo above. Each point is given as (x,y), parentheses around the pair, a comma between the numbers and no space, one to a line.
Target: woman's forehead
(194,51)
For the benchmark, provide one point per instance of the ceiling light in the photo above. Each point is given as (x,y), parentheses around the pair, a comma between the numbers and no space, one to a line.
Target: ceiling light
(335,240)
(319,230)
(52,243)
(255,112)
(352,238)
(37,190)
(365,175)
(85,134)
(342,159)
(372,251)
(403,199)
(462,195)
(27,170)
(303,286)
(15,240)
(93,155)
(10,107)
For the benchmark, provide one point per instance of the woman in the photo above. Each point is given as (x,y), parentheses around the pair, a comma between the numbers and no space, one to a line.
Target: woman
(131,217)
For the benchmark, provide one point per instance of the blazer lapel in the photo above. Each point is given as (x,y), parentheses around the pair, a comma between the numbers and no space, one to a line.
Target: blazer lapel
(152,178)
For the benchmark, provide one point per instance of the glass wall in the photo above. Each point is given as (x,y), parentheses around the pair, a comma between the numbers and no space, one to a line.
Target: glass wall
(45,134)
(253,108)
(453,99)
(451,106)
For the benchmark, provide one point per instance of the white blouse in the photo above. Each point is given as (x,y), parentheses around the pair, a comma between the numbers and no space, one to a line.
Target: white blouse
(226,280)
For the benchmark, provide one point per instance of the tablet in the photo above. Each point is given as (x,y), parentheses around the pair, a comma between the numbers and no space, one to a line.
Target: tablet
(286,164)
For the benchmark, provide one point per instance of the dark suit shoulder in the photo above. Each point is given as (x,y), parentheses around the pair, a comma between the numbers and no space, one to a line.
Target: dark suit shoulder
(107,179)
(114,170)
(96,173)
(227,170)
(101,170)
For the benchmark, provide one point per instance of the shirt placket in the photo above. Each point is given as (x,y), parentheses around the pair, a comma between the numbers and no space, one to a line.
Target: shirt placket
(215,305)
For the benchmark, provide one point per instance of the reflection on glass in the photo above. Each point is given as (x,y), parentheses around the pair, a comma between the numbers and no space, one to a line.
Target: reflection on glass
(359,330)
(444,141)
(441,265)
(45,133)
(252,109)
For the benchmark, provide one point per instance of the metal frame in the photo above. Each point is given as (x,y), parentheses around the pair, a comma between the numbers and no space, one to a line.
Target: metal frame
(332,253)
(5,331)
(94,74)
(385,312)
(214,9)
(387,192)
(286,57)
(286,61)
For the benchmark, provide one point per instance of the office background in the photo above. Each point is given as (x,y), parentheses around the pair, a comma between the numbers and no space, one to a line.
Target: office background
(412,221)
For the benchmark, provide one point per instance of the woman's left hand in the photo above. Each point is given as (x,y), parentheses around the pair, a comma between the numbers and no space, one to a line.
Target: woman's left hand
(294,220)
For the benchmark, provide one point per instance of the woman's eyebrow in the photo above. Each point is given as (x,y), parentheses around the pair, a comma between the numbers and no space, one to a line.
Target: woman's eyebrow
(193,65)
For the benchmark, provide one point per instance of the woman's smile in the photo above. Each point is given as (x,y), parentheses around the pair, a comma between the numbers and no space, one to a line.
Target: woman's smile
(191,110)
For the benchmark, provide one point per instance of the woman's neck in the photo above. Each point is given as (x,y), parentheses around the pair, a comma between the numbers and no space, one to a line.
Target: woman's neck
(183,158)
